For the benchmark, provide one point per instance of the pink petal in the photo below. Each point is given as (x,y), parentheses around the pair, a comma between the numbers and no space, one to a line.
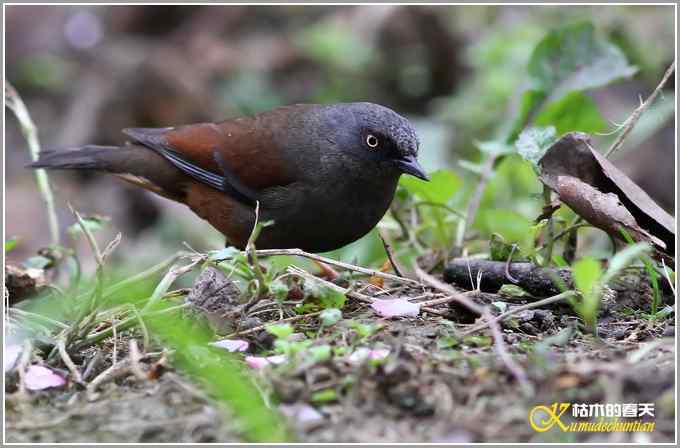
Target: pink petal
(232,345)
(361,354)
(9,358)
(395,308)
(39,378)
(302,413)
(259,362)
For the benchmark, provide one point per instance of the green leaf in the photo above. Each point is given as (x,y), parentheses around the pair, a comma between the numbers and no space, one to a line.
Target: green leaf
(330,316)
(500,250)
(511,225)
(320,353)
(574,112)
(92,223)
(477,341)
(587,272)
(531,101)
(331,298)
(280,331)
(10,244)
(324,396)
(534,142)
(570,58)
(623,259)
(508,289)
(575,57)
(442,186)
(279,290)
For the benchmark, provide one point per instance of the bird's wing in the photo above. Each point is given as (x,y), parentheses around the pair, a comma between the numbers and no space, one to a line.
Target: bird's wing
(238,157)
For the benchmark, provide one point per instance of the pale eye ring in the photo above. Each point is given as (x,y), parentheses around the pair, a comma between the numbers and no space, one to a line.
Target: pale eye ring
(372,141)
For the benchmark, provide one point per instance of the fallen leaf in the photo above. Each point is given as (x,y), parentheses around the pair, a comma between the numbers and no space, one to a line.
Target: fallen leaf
(601,194)
(231,345)
(395,308)
(40,377)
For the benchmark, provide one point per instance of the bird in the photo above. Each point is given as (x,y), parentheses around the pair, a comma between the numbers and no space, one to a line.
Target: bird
(323,174)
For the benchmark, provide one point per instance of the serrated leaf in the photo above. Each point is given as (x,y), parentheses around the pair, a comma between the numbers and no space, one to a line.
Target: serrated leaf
(533,143)
(442,186)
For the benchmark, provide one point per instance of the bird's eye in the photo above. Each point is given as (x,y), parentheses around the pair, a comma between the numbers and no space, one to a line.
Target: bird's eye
(372,141)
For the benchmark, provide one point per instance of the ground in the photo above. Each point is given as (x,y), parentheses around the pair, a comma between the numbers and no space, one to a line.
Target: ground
(432,387)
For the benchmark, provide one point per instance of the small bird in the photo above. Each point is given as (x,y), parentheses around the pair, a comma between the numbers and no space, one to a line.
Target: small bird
(324,174)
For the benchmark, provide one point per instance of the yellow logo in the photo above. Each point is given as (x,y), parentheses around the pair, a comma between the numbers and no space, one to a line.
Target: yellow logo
(608,417)
(542,418)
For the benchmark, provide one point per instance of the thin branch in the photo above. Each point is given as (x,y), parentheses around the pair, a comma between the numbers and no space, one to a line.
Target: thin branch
(348,292)
(367,271)
(499,346)
(390,256)
(68,362)
(16,105)
(632,120)
(550,300)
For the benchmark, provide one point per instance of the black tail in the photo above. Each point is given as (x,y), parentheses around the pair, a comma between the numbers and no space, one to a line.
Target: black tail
(89,157)
(136,164)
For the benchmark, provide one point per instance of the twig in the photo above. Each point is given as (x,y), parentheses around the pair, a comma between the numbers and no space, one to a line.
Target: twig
(251,253)
(454,295)
(263,326)
(554,299)
(447,299)
(135,358)
(550,229)
(632,120)
(507,266)
(390,256)
(16,105)
(499,346)
(114,356)
(24,361)
(348,292)
(92,365)
(367,271)
(68,362)
(113,372)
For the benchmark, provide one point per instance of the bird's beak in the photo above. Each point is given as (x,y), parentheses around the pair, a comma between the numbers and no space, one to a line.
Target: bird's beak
(409,165)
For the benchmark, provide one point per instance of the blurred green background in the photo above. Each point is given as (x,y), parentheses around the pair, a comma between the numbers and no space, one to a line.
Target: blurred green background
(458,72)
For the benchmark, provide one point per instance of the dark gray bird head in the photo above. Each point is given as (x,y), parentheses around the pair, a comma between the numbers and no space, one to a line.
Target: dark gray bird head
(377,134)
